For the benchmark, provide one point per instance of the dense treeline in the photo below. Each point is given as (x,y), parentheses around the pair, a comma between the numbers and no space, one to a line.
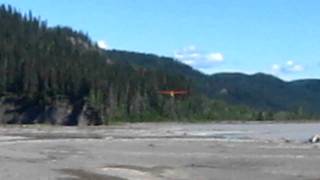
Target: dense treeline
(41,67)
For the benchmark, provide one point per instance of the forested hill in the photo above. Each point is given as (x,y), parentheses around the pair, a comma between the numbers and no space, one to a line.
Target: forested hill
(158,63)
(59,76)
(266,92)
(261,92)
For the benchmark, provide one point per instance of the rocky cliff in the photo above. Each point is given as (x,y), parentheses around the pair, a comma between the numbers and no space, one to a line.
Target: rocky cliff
(20,110)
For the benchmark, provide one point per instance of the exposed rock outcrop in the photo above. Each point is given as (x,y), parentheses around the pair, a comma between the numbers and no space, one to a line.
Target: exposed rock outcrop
(7,111)
(17,110)
(89,116)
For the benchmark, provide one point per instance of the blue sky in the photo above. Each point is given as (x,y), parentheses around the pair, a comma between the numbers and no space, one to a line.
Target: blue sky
(281,37)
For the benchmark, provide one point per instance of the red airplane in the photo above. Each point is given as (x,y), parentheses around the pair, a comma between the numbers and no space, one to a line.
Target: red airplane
(173,93)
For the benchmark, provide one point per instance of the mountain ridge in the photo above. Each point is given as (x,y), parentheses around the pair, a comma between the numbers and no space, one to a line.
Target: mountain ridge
(267,92)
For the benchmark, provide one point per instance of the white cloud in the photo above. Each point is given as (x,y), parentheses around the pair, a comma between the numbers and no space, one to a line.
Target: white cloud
(195,55)
(275,68)
(290,63)
(297,68)
(189,62)
(215,57)
(190,48)
(103,45)
(288,67)
(191,55)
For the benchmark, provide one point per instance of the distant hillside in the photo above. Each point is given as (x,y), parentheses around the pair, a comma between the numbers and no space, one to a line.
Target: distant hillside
(259,91)
(266,92)
(164,64)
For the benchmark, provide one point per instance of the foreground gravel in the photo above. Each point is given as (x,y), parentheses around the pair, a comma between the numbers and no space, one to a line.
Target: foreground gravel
(151,152)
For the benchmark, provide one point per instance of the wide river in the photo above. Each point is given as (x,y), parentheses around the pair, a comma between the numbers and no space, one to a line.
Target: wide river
(299,132)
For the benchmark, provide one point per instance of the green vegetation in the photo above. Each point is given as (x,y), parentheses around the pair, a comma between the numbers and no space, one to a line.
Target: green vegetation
(53,73)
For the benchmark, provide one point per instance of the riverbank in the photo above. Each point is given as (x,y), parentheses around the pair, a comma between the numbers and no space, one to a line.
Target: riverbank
(155,151)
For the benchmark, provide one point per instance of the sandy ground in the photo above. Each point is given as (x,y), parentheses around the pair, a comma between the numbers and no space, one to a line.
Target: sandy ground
(152,152)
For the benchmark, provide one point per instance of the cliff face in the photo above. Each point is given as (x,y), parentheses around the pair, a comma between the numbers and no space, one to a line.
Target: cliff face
(17,110)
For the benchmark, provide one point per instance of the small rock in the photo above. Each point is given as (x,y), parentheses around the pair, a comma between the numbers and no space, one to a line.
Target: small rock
(315,139)
(151,145)
(287,140)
